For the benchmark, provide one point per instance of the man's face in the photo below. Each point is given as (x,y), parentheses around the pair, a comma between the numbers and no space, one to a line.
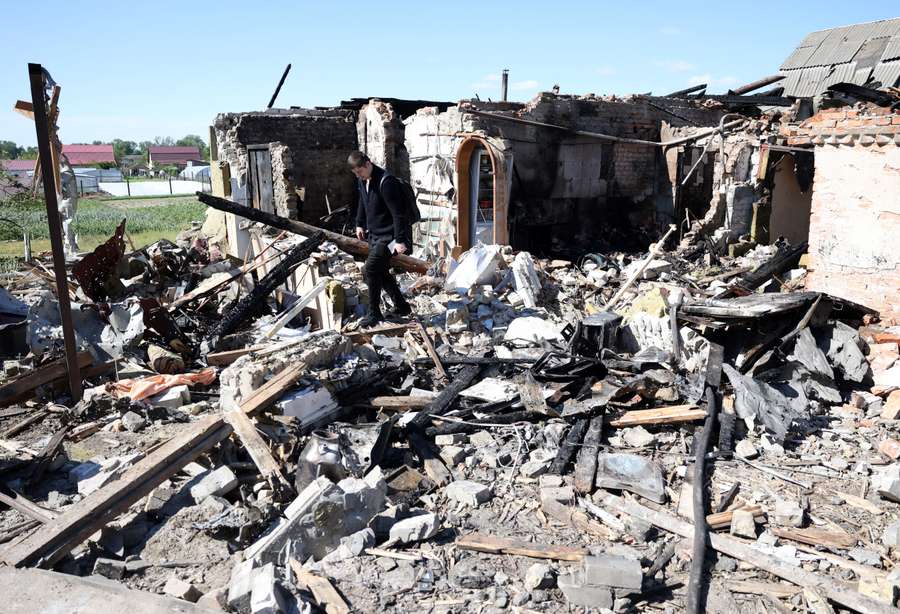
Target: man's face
(363,172)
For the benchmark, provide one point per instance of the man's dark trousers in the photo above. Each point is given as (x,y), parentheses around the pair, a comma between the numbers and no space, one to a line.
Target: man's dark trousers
(378,275)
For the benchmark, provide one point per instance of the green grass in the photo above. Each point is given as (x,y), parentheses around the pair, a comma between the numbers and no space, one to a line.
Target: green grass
(148,220)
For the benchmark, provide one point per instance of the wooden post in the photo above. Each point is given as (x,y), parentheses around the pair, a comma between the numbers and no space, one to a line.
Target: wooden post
(36,75)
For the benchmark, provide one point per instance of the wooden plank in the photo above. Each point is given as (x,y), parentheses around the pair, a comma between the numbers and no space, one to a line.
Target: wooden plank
(390,330)
(401,402)
(490,544)
(859,502)
(43,460)
(462,380)
(22,388)
(586,461)
(661,415)
(25,108)
(816,537)
(570,445)
(24,424)
(722,520)
(434,467)
(220,359)
(750,587)
(576,518)
(321,588)
(258,450)
(429,347)
(272,390)
(835,590)
(48,545)
(28,508)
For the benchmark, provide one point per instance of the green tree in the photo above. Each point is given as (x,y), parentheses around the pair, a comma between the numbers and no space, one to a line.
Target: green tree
(124,148)
(192,140)
(9,150)
(28,153)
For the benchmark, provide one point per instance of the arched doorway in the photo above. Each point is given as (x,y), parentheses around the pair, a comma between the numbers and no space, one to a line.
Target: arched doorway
(481,194)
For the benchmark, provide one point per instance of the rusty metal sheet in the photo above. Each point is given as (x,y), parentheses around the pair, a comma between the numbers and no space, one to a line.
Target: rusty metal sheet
(97,272)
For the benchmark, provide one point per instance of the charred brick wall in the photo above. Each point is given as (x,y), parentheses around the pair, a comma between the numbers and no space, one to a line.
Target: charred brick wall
(318,141)
(855,219)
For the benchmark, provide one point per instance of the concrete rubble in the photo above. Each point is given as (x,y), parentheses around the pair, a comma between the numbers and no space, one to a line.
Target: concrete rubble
(533,437)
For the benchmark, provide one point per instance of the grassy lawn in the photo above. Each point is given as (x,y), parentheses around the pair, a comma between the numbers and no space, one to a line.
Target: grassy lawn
(148,219)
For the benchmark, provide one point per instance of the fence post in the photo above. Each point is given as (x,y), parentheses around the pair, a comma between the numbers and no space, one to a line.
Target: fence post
(128,185)
(170,186)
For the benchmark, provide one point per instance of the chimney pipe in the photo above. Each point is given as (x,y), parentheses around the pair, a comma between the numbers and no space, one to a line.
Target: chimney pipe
(504,82)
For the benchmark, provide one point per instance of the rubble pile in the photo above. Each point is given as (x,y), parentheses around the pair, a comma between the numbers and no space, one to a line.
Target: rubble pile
(539,435)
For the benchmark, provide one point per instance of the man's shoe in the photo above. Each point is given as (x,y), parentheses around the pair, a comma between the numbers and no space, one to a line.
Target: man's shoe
(401,310)
(370,320)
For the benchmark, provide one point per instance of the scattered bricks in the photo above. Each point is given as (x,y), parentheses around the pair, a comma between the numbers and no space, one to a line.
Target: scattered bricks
(216,599)
(577,592)
(559,494)
(613,571)
(180,589)
(133,421)
(535,468)
(891,536)
(891,408)
(890,447)
(482,439)
(539,576)
(109,568)
(415,528)
(450,440)
(157,498)
(173,398)
(468,493)
(218,482)
(452,454)
(354,544)
(743,524)
(887,483)
(241,585)
(266,596)
(789,513)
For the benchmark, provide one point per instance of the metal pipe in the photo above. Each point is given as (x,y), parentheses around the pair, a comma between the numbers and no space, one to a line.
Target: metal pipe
(278,88)
(42,128)
(504,84)
(738,91)
(687,90)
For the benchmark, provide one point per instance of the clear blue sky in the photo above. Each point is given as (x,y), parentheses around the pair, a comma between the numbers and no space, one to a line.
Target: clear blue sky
(136,70)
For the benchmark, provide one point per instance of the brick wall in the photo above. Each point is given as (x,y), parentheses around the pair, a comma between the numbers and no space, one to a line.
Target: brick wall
(855,224)
(319,142)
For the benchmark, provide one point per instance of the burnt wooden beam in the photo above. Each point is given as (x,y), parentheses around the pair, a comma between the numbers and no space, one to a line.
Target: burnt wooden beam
(349,245)
(263,289)
(447,396)
(586,461)
(755,85)
(782,261)
(569,446)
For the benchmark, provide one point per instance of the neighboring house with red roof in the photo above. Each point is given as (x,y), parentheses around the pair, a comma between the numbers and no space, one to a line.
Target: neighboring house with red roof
(87,155)
(19,175)
(162,155)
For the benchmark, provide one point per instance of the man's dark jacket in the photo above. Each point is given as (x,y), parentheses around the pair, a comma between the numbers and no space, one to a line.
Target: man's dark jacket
(381,209)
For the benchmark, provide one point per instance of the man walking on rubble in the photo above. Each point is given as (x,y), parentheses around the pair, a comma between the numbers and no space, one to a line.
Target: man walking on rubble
(381,214)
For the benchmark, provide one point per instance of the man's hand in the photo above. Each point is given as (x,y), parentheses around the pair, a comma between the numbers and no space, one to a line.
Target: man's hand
(400,248)
(360,233)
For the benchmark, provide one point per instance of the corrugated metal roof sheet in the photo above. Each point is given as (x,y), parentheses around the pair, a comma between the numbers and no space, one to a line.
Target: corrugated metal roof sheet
(887,73)
(892,51)
(798,58)
(843,54)
(839,74)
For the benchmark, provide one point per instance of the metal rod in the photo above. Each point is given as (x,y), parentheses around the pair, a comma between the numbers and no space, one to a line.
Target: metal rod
(504,84)
(687,90)
(38,98)
(756,84)
(278,89)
